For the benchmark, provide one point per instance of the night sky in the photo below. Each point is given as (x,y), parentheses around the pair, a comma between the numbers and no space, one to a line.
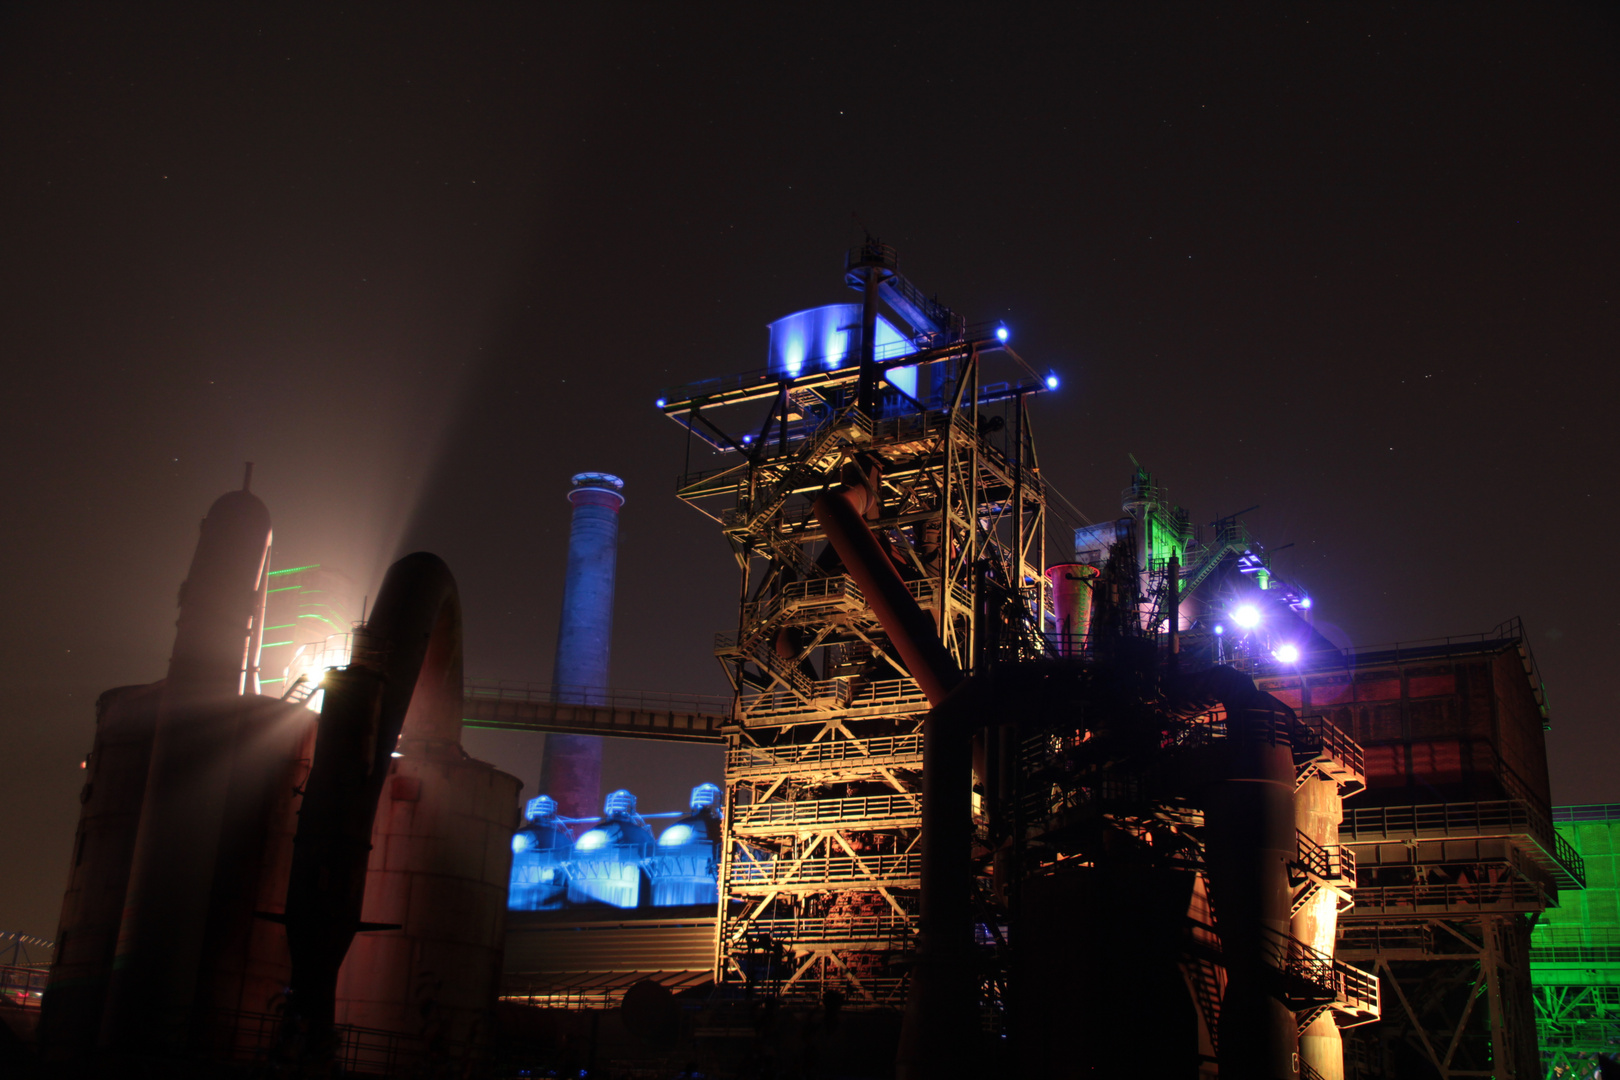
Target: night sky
(421,264)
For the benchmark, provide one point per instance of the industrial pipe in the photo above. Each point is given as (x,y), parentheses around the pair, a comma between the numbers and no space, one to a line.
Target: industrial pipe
(941,1001)
(405,680)
(840,511)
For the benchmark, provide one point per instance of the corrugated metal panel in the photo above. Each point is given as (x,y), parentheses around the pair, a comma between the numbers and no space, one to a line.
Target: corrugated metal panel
(618,946)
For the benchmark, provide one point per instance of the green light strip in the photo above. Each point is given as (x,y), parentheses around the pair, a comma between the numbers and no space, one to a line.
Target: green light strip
(273,644)
(295,569)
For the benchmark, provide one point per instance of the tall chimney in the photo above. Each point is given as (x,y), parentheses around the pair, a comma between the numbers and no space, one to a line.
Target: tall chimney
(571,771)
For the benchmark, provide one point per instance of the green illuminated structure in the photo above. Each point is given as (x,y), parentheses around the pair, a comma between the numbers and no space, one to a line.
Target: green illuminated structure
(1575,949)
(305,608)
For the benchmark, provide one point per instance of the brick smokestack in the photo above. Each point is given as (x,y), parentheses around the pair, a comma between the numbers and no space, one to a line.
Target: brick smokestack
(571,771)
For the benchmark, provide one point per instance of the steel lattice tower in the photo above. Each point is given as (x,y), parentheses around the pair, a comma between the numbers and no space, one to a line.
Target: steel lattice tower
(820,863)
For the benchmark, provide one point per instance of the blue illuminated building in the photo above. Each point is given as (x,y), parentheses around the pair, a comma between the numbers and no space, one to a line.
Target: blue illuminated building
(687,863)
(826,339)
(607,863)
(616,861)
(540,853)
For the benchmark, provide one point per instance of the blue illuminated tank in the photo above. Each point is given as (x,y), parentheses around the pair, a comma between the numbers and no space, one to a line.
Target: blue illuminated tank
(686,865)
(539,859)
(606,867)
(828,338)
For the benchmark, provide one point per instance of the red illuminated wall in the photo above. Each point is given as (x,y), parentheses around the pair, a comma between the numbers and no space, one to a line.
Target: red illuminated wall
(1457,728)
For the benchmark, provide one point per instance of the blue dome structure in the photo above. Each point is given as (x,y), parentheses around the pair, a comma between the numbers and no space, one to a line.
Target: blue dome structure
(540,853)
(606,867)
(686,866)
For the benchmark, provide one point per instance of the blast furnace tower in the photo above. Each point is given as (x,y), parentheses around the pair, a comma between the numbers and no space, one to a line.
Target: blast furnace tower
(1044,823)
(890,471)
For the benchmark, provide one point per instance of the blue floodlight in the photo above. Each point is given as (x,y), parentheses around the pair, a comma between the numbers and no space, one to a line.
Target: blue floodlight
(520,843)
(1287,654)
(660,403)
(1246,616)
(593,839)
(1305,602)
(1002,334)
(1051,382)
(1219,629)
(748,438)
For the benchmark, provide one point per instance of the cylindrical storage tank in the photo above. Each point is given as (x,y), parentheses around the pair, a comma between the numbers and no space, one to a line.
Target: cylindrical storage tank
(571,770)
(153,995)
(440,865)
(1318,811)
(1249,842)
(540,853)
(1099,977)
(1071,605)
(607,865)
(684,868)
(103,849)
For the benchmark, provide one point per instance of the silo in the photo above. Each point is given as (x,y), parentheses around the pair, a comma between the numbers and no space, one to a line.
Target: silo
(162,940)
(103,849)
(571,771)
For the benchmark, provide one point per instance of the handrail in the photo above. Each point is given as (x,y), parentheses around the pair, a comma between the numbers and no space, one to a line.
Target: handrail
(882,747)
(1516,895)
(1329,863)
(826,870)
(1334,743)
(898,695)
(754,816)
(647,700)
(1338,983)
(890,928)
(1473,818)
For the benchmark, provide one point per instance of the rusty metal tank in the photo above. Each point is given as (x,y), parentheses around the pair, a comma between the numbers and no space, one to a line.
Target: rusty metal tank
(103,848)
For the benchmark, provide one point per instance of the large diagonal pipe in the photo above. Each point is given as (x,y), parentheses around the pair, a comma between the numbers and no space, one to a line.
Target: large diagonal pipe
(841,512)
(407,660)
(940,1002)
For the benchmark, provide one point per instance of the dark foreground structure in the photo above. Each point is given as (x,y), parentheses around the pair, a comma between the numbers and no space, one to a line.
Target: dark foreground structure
(985,811)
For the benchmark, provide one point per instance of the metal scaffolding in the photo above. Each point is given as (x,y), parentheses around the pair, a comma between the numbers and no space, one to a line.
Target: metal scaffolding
(820,863)
(1450,879)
